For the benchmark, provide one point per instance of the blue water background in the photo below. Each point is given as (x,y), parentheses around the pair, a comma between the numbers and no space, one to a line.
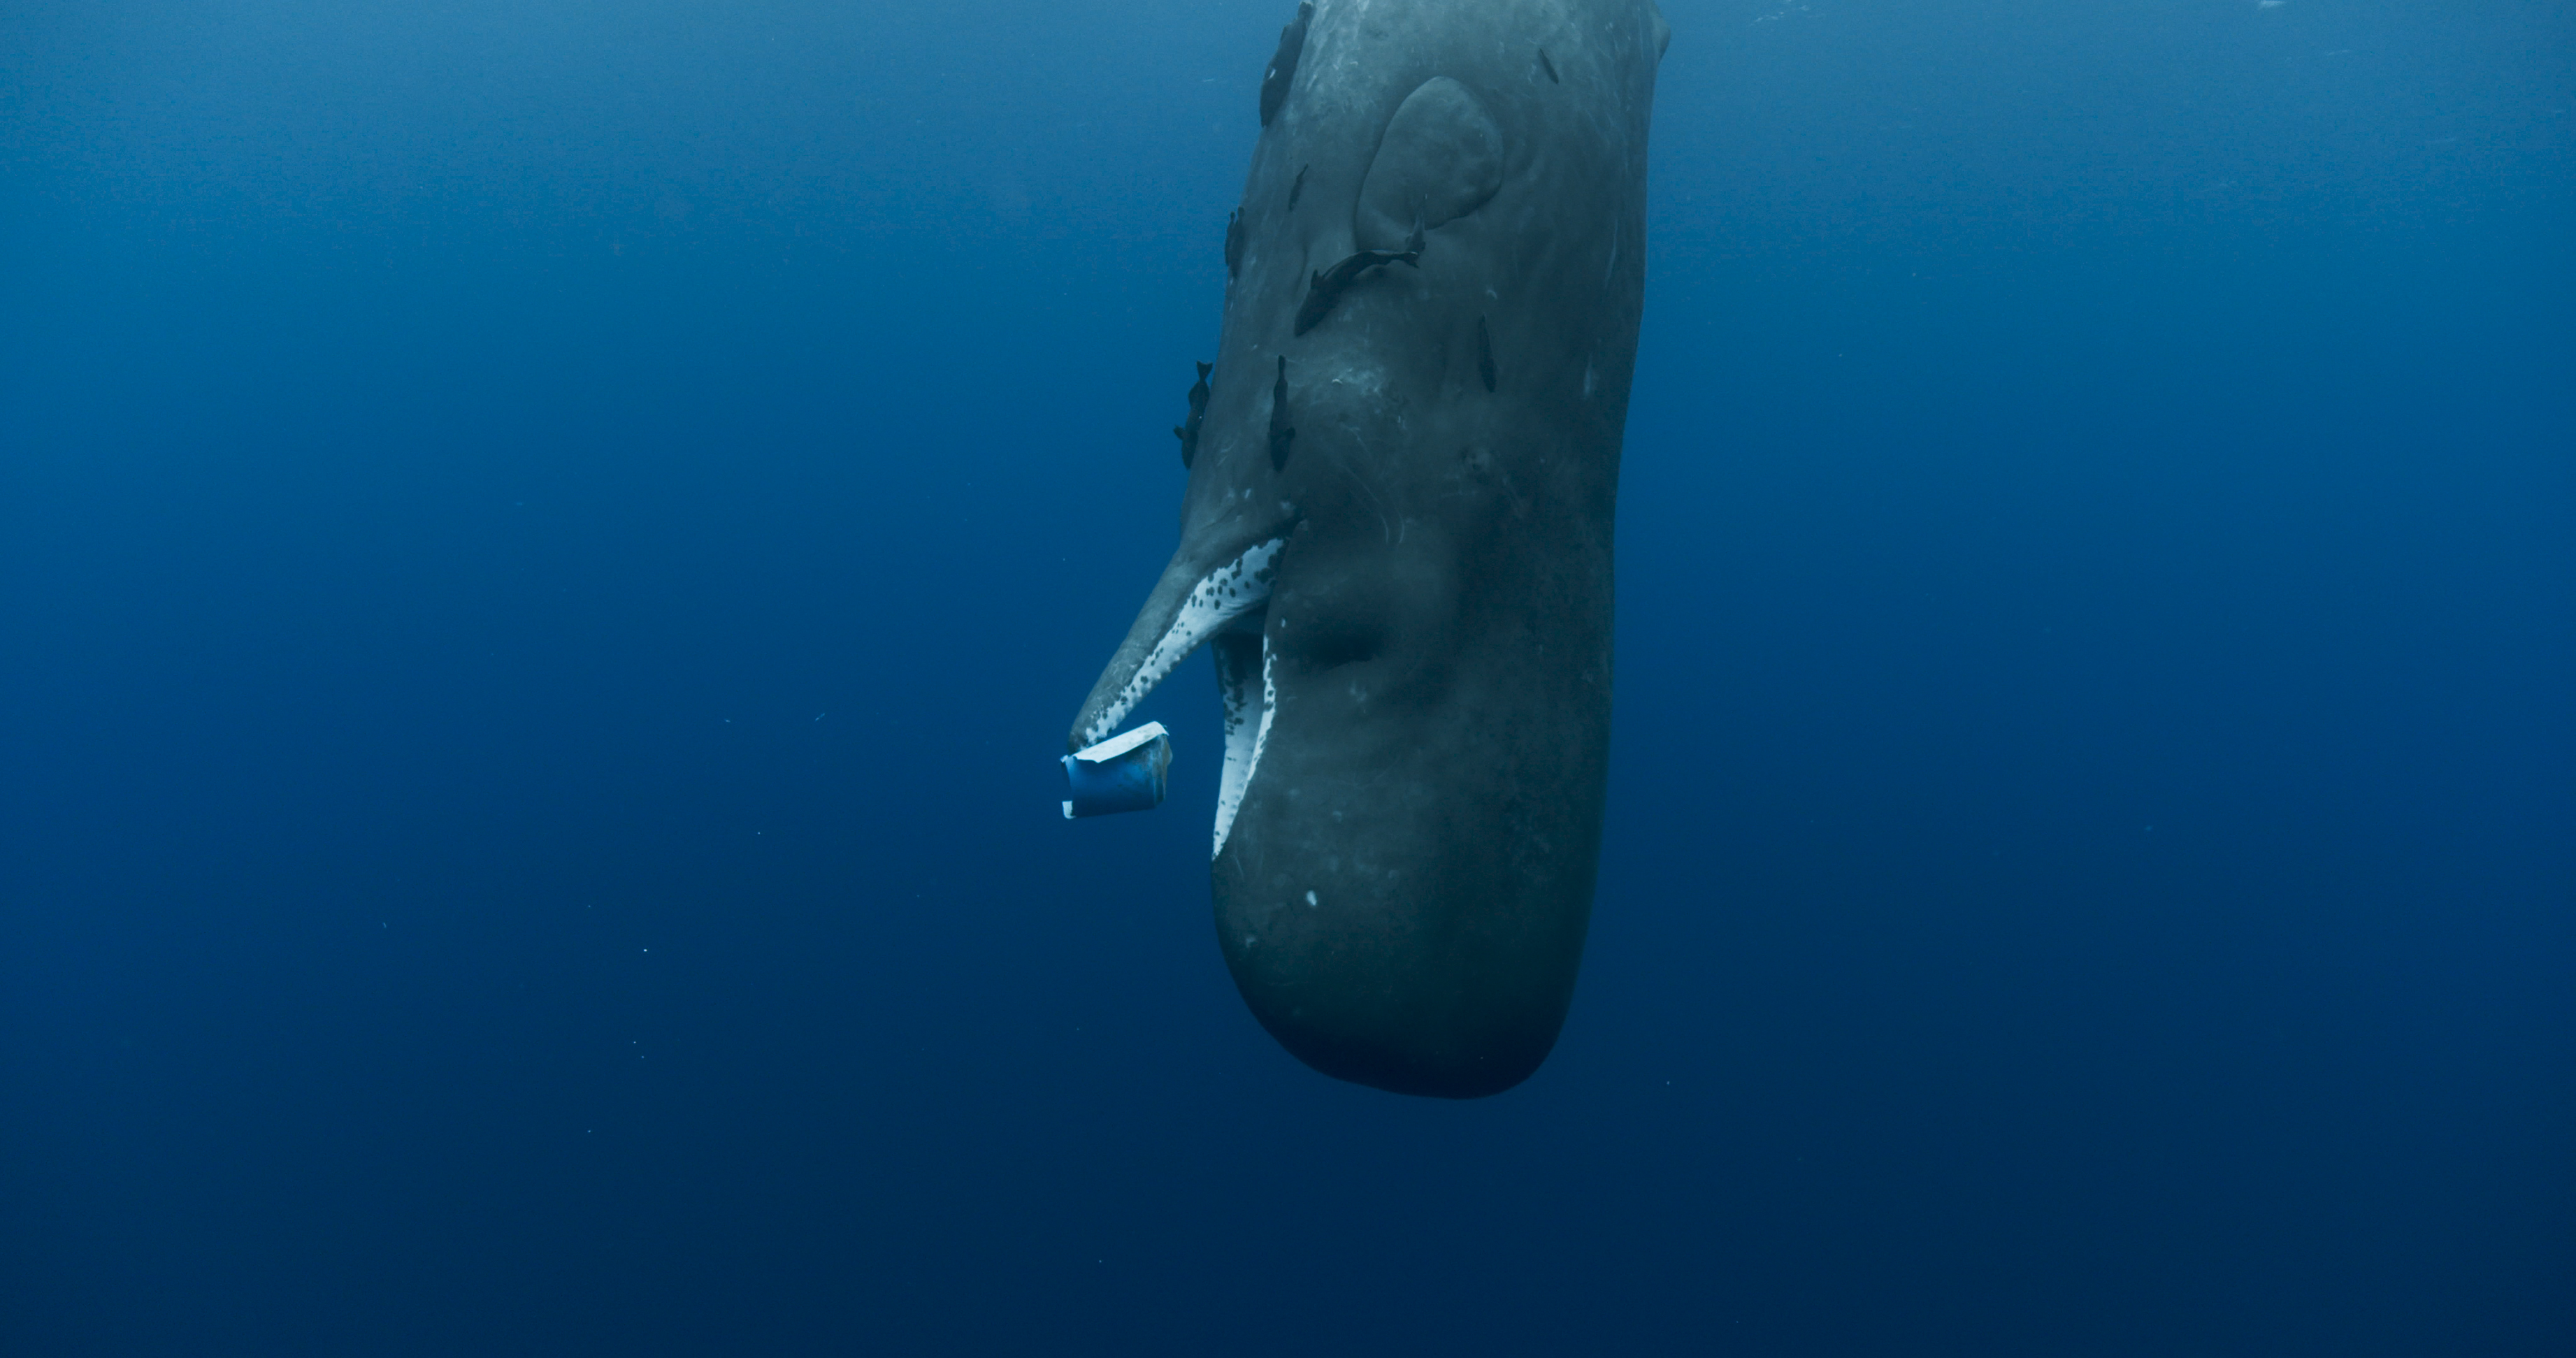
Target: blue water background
(547,551)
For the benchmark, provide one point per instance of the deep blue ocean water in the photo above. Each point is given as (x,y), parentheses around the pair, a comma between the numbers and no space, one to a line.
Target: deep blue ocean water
(547,550)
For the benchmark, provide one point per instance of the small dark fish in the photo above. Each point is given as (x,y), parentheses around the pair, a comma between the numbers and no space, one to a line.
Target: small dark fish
(1281,435)
(1484,353)
(1548,66)
(1283,67)
(1188,433)
(1324,289)
(1297,186)
(1233,243)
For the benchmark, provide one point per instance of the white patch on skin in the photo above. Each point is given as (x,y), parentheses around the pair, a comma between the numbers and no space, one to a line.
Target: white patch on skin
(1366,381)
(1226,594)
(1234,690)
(1244,738)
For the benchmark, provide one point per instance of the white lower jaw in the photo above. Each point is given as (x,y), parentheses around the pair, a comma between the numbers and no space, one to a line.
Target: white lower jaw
(1228,592)
(1231,597)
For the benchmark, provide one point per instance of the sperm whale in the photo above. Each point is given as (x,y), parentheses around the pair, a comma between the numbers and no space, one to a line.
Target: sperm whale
(1396,536)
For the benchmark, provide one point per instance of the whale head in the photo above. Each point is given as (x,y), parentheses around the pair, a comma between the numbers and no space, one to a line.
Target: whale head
(1397,533)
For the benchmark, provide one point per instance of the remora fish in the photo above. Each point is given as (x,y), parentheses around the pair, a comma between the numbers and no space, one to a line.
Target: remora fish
(1326,287)
(1411,617)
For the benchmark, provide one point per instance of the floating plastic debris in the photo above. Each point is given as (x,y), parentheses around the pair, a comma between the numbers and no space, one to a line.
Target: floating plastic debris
(1123,773)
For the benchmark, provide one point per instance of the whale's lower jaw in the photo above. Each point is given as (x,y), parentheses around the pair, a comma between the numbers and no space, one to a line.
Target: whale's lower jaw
(1215,602)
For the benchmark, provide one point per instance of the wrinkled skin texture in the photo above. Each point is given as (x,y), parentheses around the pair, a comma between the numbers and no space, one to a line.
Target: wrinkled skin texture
(1403,889)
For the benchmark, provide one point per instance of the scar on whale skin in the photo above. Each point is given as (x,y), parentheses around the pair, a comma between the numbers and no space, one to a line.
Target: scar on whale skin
(1233,244)
(1281,435)
(1548,66)
(1326,288)
(1297,186)
(1484,361)
(1188,433)
(1283,67)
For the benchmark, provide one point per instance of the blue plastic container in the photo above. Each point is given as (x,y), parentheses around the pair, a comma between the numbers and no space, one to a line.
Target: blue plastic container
(1122,773)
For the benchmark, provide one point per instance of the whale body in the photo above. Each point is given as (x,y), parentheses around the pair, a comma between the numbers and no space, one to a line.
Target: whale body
(1396,537)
